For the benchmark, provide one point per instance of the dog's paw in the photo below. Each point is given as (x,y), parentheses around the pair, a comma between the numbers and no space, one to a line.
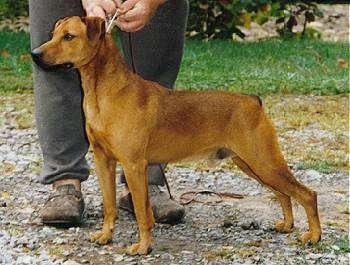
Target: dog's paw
(282,226)
(101,237)
(139,249)
(312,237)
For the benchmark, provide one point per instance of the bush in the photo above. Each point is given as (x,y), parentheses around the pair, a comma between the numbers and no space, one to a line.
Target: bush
(12,9)
(219,18)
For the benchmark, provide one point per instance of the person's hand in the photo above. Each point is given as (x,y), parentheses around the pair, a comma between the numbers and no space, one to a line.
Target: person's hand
(100,8)
(135,14)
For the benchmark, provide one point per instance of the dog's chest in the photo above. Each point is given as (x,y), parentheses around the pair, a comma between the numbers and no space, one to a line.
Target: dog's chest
(91,114)
(93,130)
(97,136)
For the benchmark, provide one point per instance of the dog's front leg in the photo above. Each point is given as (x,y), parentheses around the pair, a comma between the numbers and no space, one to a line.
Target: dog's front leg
(136,178)
(105,169)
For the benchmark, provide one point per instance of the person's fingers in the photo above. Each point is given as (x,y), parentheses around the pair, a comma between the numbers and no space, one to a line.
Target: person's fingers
(89,12)
(118,3)
(89,9)
(132,15)
(100,8)
(108,5)
(120,11)
(98,11)
(127,5)
(129,26)
(121,20)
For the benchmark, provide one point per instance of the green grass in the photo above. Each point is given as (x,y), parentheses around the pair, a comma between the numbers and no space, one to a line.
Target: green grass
(326,167)
(15,63)
(344,244)
(273,66)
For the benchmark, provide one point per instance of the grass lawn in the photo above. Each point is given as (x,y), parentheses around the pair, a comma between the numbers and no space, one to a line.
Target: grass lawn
(15,62)
(273,66)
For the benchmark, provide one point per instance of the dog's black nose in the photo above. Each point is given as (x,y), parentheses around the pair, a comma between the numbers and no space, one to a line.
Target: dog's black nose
(36,54)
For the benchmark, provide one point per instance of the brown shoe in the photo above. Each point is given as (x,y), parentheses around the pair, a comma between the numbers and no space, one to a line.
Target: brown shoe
(64,207)
(165,210)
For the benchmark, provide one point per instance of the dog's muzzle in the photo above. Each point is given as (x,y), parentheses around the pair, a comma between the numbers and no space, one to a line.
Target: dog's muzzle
(37,58)
(36,55)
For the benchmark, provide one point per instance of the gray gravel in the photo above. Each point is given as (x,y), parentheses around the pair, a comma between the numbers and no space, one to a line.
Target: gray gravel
(232,232)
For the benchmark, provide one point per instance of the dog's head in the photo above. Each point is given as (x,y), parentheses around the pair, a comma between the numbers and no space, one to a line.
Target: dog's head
(74,43)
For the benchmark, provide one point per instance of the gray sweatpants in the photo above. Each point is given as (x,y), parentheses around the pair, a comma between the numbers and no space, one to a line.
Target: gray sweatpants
(156,51)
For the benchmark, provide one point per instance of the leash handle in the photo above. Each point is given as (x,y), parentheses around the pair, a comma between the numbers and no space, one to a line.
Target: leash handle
(166,181)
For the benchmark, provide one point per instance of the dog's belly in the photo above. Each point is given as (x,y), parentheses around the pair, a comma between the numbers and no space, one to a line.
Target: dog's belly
(210,155)
(167,148)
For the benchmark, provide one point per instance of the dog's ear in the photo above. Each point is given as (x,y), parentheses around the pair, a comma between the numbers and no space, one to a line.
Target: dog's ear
(96,28)
(58,22)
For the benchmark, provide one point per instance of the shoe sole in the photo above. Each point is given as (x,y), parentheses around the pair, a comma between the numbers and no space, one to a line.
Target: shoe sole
(63,223)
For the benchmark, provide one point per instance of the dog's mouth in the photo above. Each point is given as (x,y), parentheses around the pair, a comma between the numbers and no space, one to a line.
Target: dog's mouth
(67,65)
(52,67)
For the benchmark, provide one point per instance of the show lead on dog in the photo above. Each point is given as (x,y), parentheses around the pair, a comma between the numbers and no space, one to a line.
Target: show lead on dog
(152,36)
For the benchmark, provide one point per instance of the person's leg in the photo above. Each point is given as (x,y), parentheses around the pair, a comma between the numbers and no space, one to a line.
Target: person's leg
(58,111)
(156,50)
(155,53)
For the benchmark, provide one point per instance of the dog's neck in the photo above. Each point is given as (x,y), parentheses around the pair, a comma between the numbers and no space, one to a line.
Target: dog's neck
(107,65)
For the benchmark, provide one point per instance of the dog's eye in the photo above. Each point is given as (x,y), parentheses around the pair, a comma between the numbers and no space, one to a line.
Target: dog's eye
(68,37)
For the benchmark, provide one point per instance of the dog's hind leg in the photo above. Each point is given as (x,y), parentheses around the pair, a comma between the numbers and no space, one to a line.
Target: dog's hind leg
(307,198)
(285,186)
(288,185)
(285,225)
(258,151)
(136,178)
(105,169)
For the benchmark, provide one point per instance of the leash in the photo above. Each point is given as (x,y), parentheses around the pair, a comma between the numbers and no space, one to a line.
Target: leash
(131,53)
(110,21)
(109,24)
(192,196)
(166,181)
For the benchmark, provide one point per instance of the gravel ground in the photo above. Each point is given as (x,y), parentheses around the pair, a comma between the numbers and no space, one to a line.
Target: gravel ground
(231,232)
